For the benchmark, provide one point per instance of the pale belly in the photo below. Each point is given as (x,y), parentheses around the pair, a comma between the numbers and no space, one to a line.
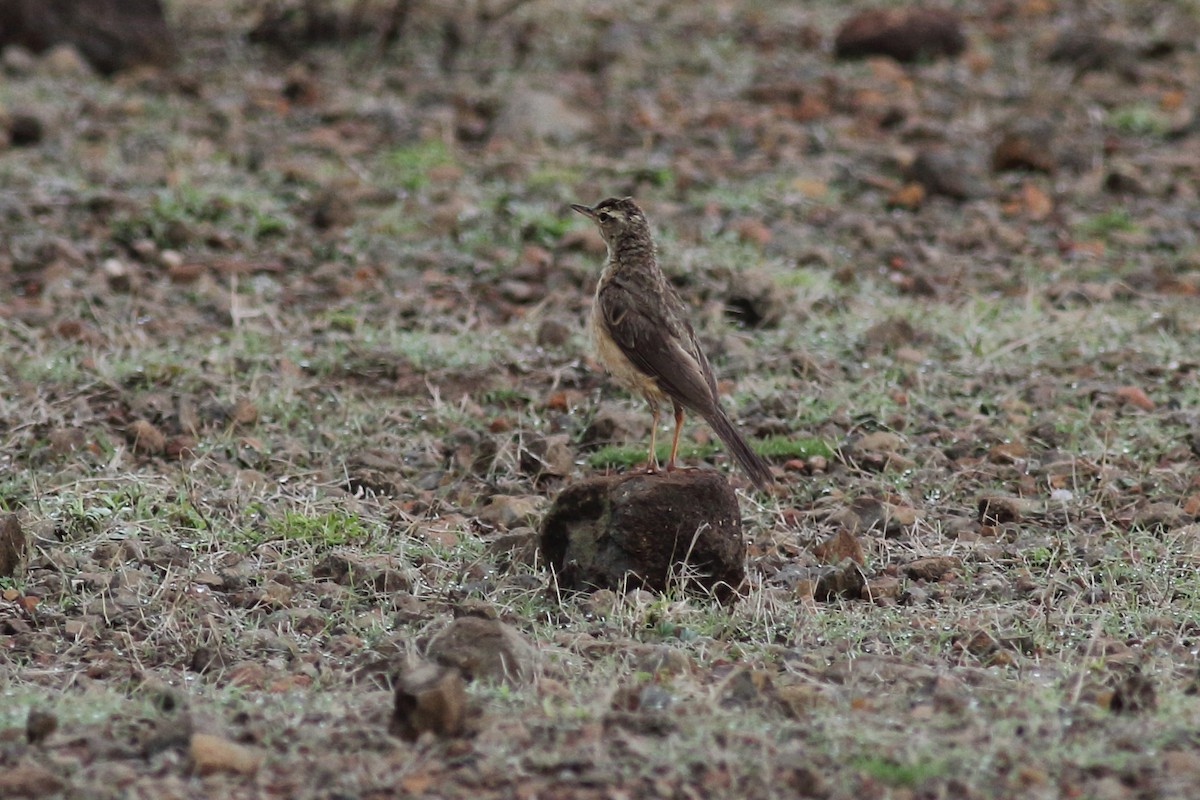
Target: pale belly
(620,367)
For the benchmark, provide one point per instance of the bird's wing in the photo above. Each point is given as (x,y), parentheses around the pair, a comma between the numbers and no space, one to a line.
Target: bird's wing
(663,350)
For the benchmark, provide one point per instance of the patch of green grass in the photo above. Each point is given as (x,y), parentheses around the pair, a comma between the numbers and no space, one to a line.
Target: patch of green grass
(328,529)
(791,447)
(410,164)
(894,773)
(1139,120)
(630,455)
(1116,220)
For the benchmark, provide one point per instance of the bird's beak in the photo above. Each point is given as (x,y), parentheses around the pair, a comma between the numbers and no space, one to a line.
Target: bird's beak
(587,212)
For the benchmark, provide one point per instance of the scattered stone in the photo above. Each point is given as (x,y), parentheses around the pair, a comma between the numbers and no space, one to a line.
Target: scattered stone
(429,699)
(117,274)
(889,335)
(25,130)
(614,423)
(946,172)
(511,511)
(349,568)
(13,546)
(841,545)
(39,725)
(146,438)
(331,209)
(65,61)
(754,299)
(531,115)
(1160,517)
(553,333)
(1134,694)
(1134,396)
(997,509)
(905,34)
(548,456)
(28,779)
(844,581)
(1026,148)
(212,754)
(18,61)
(518,546)
(485,649)
(745,688)
(1088,50)
(626,531)
(933,568)
(871,514)
(111,34)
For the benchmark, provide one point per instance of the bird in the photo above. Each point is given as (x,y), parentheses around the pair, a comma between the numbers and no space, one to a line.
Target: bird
(642,335)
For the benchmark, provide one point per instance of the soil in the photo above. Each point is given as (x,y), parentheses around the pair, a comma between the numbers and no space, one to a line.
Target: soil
(293,364)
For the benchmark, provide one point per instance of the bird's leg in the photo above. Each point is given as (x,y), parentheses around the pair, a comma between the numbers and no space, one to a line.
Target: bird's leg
(652,462)
(675,438)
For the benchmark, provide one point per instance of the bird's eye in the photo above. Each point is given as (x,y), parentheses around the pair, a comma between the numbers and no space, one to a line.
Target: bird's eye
(604,216)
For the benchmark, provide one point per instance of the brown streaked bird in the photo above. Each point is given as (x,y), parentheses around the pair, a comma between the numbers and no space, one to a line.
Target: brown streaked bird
(642,335)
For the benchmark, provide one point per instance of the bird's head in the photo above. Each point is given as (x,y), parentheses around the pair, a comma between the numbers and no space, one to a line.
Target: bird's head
(616,218)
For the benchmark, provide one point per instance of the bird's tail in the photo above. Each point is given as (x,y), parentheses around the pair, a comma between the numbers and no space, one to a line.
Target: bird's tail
(752,462)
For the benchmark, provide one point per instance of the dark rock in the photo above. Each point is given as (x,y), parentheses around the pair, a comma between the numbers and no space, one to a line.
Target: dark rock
(553,333)
(754,299)
(25,130)
(1026,148)
(485,649)
(933,568)
(905,34)
(111,34)
(13,546)
(846,580)
(1134,694)
(39,725)
(429,698)
(331,209)
(1089,51)
(946,172)
(642,529)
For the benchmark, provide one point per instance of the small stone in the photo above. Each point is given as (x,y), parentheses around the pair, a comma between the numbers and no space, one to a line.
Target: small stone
(744,688)
(25,130)
(933,568)
(548,455)
(1160,517)
(553,333)
(843,544)
(64,61)
(946,172)
(429,699)
(212,754)
(116,272)
(996,509)
(1134,694)
(905,34)
(39,725)
(846,580)
(536,115)
(29,779)
(18,60)
(485,649)
(511,511)
(146,438)
(244,413)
